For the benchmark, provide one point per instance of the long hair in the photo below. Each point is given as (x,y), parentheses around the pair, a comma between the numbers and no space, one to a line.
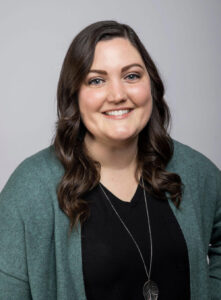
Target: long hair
(155,147)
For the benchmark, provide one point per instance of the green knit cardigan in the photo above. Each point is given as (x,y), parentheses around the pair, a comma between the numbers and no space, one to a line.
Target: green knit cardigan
(39,261)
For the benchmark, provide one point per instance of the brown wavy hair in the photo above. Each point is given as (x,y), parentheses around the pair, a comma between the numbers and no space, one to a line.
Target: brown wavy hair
(155,147)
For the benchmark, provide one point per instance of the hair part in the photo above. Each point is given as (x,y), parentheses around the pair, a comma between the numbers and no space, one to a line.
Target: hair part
(155,147)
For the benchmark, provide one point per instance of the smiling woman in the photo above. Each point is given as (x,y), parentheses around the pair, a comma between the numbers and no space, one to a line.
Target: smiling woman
(116,105)
(114,208)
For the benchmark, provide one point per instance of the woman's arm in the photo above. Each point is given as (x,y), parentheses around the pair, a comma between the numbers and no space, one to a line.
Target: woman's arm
(12,288)
(214,252)
(14,283)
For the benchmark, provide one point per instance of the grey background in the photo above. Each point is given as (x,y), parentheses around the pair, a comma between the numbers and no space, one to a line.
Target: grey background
(183,38)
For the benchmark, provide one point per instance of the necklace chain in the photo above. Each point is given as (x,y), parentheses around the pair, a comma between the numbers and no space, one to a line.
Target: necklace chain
(149,227)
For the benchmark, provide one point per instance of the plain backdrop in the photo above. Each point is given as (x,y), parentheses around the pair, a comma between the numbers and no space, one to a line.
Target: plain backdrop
(183,38)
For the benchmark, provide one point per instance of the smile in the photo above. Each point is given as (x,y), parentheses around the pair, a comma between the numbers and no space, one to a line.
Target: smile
(118,114)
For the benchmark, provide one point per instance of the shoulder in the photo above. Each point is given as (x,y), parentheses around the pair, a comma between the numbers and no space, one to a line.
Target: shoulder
(33,183)
(196,170)
(189,159)
(42,166)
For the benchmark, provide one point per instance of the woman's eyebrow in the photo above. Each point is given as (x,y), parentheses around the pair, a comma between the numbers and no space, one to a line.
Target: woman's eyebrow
(122,70)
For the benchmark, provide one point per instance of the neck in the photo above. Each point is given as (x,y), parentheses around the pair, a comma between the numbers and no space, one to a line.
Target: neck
(114,156)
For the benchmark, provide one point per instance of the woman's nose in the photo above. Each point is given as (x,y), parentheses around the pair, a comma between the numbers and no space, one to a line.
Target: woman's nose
(116,92)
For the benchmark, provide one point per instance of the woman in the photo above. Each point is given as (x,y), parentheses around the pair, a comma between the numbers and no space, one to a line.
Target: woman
(114,209)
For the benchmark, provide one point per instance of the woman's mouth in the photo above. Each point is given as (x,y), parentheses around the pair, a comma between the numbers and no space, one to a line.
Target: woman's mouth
(117,114)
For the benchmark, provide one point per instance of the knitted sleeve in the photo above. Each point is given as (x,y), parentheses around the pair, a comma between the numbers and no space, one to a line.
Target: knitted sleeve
(20,205)
(14,283)
(214,252)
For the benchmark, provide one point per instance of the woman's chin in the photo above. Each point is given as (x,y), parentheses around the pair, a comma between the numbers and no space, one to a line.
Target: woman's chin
(115,139)
(122,138)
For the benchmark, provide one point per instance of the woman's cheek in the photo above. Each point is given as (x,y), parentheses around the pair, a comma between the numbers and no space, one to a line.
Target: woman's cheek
(95,99)
(141,94)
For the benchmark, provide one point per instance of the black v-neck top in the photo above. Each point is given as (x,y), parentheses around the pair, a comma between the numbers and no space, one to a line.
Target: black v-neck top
(112,266)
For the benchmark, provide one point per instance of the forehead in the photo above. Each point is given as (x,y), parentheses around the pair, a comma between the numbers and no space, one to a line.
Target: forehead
(115,52)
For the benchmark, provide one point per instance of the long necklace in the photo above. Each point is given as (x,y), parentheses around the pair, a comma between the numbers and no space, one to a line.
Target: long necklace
(150,289)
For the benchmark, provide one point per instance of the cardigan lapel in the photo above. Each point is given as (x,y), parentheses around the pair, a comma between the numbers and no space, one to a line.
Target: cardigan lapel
(189,225)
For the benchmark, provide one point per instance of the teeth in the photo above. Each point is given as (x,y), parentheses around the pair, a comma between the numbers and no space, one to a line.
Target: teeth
(117,112)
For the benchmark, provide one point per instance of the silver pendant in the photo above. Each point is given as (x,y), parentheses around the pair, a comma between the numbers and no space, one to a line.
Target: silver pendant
(150,290)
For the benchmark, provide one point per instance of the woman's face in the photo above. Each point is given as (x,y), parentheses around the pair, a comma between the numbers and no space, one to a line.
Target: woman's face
(115,99)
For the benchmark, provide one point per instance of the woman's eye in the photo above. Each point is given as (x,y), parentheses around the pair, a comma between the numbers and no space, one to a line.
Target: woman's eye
(133,76)
(95,81)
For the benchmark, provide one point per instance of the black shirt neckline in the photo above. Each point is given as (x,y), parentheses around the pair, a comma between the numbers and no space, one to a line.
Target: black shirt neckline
(117,201)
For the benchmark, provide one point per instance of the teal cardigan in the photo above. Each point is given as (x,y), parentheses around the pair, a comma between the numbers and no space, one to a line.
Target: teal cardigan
(39,261)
